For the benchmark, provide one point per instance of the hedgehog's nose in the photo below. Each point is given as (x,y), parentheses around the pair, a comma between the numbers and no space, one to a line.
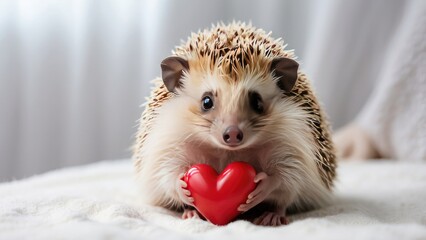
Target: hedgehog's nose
(233,135)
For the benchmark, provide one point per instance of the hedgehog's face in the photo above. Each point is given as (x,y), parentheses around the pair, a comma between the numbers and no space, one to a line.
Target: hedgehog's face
(231,114)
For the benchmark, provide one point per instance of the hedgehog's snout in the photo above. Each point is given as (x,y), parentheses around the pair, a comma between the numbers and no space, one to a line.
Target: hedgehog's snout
(233,136)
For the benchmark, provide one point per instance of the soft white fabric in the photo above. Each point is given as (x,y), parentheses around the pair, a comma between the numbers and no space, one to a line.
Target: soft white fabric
(374,200)
(395,115)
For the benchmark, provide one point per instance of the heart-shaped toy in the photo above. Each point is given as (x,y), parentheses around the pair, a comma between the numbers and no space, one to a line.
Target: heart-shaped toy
(217,197)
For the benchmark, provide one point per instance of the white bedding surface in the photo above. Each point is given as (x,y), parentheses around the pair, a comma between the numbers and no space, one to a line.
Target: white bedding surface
(374,200)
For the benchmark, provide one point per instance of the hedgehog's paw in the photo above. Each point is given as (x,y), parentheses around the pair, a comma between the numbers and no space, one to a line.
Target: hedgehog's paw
(271,219)
(190,213)
(184,194)
(265,185)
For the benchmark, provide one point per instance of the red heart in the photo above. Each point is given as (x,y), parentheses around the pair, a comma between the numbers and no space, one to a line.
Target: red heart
(217,197)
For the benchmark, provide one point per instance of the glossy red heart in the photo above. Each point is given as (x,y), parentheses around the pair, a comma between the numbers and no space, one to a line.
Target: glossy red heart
(217,197)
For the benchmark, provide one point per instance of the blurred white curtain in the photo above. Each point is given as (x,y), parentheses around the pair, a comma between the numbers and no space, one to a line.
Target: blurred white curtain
(350,42)
(73,73)
(70,82)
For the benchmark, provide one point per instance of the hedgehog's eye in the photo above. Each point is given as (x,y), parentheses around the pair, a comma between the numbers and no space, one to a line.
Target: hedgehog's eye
(207,103)
(256,103)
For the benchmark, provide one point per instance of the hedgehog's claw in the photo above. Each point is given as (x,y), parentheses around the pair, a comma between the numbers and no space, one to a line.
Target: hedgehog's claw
(271,219)
(190,213)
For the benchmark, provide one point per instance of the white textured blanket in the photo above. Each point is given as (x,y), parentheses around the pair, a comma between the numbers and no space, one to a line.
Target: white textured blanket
(374,200)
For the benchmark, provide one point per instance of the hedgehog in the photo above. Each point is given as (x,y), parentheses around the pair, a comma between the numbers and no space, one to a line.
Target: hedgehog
(232,92)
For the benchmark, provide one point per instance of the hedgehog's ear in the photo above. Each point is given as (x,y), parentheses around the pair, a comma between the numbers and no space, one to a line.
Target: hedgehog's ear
(285,69)
(172,70)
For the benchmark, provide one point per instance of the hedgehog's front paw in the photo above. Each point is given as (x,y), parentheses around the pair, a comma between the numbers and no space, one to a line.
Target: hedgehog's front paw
(266,185)
(190,213)
(183,192)
(271,219)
